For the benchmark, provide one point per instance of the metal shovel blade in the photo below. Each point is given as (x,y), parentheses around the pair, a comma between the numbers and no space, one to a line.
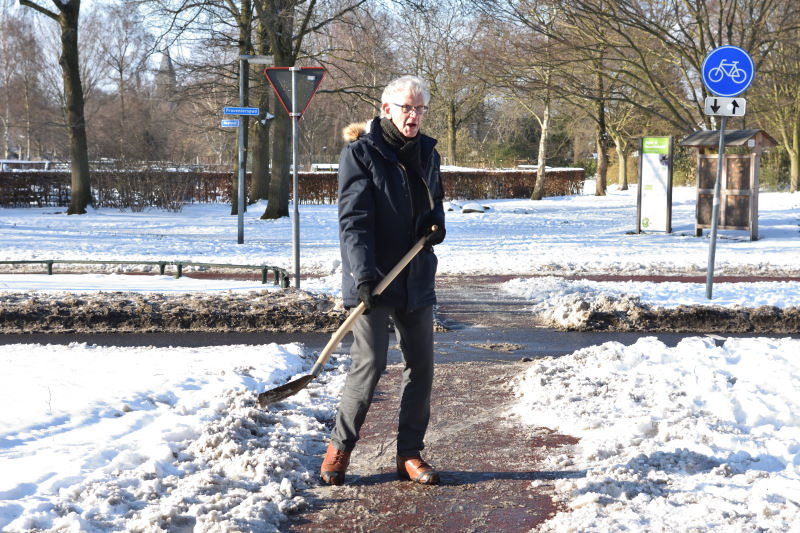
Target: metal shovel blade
(284,391)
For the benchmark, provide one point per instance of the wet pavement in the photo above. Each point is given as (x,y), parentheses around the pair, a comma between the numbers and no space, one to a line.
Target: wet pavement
(491,466)
(488,463)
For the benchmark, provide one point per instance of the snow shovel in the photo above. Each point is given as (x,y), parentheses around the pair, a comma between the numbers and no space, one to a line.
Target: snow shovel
(293,387)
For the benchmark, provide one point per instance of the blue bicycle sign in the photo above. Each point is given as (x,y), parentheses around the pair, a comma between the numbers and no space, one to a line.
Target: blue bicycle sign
(728,71)
(736,74)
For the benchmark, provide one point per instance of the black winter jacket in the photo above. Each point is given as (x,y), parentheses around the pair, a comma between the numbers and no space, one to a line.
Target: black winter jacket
(377,223)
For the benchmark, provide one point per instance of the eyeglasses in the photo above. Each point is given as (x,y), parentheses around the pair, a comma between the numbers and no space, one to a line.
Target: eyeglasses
(405,108)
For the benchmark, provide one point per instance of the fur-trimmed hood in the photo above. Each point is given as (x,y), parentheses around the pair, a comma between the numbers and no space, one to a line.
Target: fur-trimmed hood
(353,131)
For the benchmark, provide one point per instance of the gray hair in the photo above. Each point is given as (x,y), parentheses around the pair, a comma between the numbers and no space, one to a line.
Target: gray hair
(405,84)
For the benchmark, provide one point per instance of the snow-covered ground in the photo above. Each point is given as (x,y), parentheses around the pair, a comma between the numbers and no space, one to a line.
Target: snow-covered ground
(562,235)
(704,435)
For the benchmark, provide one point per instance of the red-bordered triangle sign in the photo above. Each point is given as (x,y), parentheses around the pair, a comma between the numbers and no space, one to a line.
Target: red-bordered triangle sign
(308,80)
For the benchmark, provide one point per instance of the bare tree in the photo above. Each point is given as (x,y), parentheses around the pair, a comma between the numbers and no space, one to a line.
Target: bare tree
(34,106)
(442,51)
(126,51)
(11,50)
(659,46)
(287,23)
(67,13)
(524,63)
(779,108)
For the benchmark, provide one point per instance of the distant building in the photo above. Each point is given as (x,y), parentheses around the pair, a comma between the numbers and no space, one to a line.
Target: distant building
(166,79)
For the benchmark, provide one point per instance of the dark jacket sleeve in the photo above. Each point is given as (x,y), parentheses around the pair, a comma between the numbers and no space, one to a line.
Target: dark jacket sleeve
(436,216)
(356,215)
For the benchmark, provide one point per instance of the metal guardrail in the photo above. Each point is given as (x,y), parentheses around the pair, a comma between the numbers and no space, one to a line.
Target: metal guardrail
(280,275)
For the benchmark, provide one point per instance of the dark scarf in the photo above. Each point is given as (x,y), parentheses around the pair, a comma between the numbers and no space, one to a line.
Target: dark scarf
(409,153)
(408,150)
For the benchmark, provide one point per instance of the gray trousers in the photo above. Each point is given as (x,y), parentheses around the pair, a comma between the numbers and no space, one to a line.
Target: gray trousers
(368,353)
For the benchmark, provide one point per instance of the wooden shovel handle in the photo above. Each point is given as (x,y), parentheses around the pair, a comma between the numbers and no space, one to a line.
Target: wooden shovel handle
(357,311)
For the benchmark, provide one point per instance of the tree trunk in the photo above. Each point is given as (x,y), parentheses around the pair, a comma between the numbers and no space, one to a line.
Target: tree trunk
(278,203)
(601,133)
(794,159)
(5,121)
(280,174)
(121,151)
(28,122)
(538,188)
(602,166)
(243,123)
(451,133)
(259,185)
(73,97)
(622,158)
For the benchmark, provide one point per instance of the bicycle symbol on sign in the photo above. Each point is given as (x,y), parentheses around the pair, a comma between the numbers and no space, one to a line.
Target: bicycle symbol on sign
(730,69)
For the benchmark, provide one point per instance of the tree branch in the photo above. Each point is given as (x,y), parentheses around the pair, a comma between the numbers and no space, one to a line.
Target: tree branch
(36,7)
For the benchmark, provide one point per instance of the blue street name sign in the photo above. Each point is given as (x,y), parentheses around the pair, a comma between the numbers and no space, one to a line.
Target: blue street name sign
(240,110)
(728,71)
(229,123)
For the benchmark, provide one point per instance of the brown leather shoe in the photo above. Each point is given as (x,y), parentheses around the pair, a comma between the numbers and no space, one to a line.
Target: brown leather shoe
(417,470)
(334,465)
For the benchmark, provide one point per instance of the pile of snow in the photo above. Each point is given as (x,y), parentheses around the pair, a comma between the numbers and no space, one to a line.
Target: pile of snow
(567,304)
(702,436)
(145,439)
(465,207)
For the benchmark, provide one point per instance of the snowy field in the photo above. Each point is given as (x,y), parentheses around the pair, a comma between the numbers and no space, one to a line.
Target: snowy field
(702,436)
(562,235)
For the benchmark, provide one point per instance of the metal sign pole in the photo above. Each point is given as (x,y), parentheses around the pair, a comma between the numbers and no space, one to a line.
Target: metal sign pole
(295,197)
(308,84)
(712,246)
(727,71)
(243,79)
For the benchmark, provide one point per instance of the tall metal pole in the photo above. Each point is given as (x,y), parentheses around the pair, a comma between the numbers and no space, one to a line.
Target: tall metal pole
(243,79)
(295,196)
(712,246)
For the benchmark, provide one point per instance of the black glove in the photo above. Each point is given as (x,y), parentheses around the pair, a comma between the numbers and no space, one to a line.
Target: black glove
(365,289)
(436,236)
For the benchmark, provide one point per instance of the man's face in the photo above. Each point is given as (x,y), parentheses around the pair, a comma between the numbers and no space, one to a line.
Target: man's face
(408,123)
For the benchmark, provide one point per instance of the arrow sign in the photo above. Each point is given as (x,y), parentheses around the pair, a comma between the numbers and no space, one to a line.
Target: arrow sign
(725,107)
(240,111)
(728,71)
(308,80)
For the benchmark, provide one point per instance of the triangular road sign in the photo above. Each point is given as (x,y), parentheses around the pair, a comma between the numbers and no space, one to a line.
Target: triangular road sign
(308,80)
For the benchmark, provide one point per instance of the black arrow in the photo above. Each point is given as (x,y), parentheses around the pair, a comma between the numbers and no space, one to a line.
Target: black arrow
(715,107)
(735,106)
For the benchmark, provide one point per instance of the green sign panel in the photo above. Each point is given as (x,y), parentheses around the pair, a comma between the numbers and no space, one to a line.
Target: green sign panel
(655,145)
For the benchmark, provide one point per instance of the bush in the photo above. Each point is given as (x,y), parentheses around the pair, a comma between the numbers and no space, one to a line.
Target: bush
(165,189)
(775,172)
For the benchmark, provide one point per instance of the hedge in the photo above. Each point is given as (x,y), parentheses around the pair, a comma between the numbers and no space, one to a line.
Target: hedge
(166,189)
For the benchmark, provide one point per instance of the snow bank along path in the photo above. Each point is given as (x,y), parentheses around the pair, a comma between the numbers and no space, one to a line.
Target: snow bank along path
(702,436)
(99,439)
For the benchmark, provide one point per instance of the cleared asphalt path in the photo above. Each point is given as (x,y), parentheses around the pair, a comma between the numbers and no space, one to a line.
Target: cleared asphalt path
(491,466)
